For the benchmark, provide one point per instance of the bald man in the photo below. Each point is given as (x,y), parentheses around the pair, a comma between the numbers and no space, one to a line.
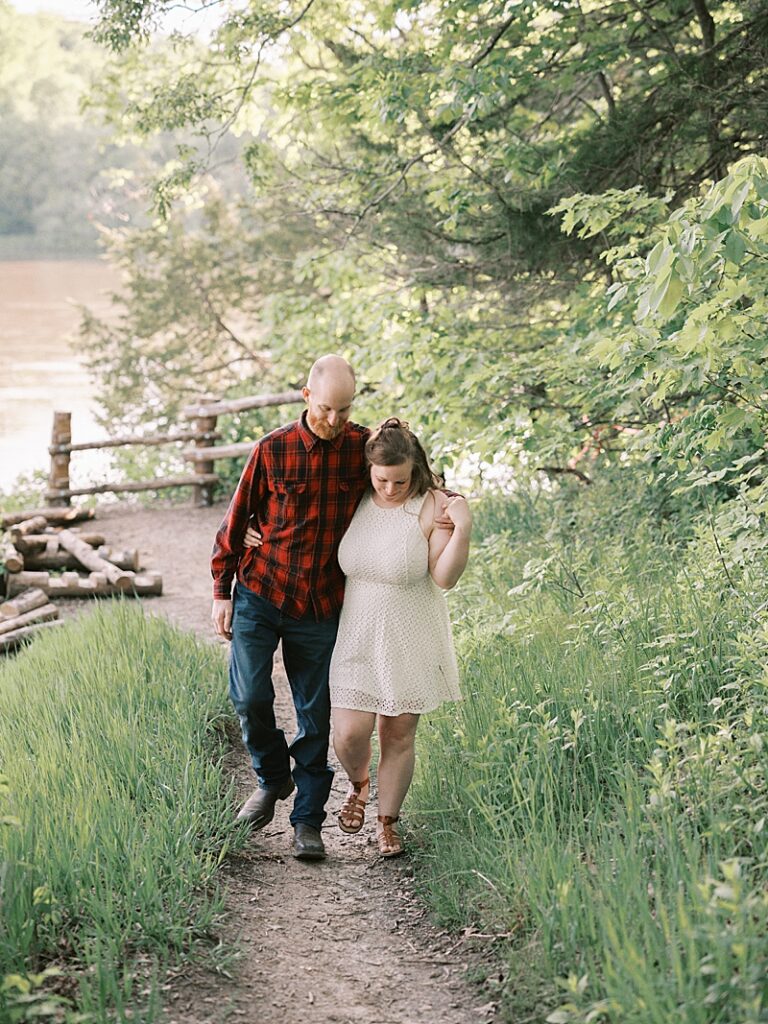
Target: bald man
(299,489)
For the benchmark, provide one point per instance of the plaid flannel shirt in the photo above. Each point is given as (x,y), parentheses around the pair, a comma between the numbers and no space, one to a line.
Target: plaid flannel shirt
(300,492)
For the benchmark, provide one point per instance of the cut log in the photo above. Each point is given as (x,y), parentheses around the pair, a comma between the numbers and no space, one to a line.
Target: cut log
(127,560)
(225,451)
(96,585)
(147,584)
(53,515)
(18,582)
(85,554)
(61,436)
(10,557)
(33,525)
(240,404)
(202,496)
(41,614)
(10,640)
(24,602)
(148,440)
(162,483)
(37,541)
(72,584)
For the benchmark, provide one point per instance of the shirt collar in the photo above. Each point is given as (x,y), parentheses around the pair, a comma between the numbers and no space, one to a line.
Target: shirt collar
(310,439)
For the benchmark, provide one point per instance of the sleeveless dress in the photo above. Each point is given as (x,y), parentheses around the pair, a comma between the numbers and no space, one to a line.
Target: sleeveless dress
(394,653)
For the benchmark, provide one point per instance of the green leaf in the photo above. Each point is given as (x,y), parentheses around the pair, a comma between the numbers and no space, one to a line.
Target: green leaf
(671,298)
(735,247)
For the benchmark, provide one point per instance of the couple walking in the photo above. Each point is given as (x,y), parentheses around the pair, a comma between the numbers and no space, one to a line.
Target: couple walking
(323,502)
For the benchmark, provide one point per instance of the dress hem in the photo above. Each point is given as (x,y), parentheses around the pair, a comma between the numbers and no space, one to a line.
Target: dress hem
(396,714)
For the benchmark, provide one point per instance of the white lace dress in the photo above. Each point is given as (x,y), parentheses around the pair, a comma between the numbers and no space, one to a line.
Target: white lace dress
(394,653)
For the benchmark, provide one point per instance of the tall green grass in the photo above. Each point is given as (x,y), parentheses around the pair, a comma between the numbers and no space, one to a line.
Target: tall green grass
(110,738)
(599,798)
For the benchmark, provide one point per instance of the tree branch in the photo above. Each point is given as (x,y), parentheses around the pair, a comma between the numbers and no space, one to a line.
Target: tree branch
(491,42)
(706,23)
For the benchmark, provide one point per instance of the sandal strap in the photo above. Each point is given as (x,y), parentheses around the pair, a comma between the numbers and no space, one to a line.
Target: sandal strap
(353,808)
(389,839)
(352,811)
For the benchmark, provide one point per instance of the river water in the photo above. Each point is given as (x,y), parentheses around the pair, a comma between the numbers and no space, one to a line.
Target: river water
(40,370)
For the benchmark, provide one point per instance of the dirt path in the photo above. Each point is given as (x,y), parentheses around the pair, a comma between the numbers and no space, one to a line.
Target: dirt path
(340,942)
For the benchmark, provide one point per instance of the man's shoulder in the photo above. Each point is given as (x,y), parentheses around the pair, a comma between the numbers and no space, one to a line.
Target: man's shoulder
(279,435)
(357,433)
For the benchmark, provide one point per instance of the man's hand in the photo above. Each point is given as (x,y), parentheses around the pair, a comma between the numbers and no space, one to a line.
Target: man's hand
(221,616)
(441,520)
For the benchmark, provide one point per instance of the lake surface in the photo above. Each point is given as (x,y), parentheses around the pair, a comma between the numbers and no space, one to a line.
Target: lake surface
(40,370)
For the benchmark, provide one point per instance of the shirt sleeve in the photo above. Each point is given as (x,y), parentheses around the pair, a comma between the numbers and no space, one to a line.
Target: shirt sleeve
(228,546)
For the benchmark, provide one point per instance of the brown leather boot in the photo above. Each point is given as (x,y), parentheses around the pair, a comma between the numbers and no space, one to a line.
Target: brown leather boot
(259,808)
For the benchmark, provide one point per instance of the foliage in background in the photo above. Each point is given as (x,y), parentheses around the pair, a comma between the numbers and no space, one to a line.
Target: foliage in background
(64,172)
(110,732)
(419,147)
(598,800)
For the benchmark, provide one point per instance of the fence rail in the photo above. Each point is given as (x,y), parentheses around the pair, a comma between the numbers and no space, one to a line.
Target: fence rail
(202,454)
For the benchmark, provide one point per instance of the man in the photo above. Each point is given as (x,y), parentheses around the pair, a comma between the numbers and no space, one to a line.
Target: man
(299,489)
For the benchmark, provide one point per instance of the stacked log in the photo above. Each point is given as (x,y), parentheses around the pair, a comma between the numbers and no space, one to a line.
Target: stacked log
(25,616)
(95,584)
(56,558)
(39,544)
(51,515)
(10,556)
(11,640)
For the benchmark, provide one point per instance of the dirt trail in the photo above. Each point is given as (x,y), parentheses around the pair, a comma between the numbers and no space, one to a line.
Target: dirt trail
(343,941)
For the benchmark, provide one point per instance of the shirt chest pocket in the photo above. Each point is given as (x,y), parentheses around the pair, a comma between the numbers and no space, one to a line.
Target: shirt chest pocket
(291,500)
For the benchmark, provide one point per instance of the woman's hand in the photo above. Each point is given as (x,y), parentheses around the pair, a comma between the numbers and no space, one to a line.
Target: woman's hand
(252,538)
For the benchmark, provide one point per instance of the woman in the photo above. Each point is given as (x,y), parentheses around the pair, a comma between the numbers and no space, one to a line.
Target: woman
(394,658)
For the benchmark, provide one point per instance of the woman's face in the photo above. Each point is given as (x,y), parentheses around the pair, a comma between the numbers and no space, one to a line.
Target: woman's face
(391,483)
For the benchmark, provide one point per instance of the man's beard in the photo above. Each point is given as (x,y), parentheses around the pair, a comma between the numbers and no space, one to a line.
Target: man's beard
(324,430)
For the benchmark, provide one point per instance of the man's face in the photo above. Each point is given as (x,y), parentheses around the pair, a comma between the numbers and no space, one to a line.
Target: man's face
(329,405)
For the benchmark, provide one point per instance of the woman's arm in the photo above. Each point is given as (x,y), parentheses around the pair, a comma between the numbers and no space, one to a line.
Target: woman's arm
(448,552)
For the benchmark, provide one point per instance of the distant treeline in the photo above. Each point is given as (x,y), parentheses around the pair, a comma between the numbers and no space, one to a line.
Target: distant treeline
(63,170)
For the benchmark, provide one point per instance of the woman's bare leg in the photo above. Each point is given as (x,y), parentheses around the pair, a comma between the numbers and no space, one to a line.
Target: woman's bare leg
(352,731)
(397,756)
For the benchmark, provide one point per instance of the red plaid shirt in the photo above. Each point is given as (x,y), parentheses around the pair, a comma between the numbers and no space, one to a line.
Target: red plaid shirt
(300,492)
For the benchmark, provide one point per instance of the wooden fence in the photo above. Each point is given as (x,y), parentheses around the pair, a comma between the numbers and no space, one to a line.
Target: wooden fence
(203,453)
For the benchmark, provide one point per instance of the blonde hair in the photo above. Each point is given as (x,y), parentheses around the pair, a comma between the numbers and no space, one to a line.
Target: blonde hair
(393,443)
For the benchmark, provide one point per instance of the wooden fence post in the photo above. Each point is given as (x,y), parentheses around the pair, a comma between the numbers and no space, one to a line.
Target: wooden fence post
(202,494)
(58,479)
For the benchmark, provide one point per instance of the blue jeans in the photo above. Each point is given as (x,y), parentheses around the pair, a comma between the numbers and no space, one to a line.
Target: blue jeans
(257,627)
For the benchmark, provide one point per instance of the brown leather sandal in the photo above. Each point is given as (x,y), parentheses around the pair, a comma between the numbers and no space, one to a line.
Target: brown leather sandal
(352,812)
(390,844)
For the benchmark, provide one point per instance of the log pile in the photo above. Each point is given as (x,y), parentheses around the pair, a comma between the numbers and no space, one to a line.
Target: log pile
(44,556)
